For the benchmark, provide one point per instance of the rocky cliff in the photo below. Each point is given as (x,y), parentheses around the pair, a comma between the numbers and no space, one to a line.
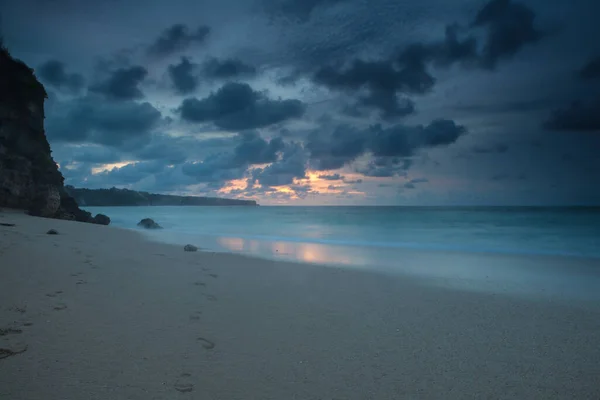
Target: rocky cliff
(29,177)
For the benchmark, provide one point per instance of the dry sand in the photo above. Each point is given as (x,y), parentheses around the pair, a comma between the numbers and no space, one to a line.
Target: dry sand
(100,313)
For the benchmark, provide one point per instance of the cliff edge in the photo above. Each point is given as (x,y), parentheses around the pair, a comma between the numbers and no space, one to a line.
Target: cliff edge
(29,177)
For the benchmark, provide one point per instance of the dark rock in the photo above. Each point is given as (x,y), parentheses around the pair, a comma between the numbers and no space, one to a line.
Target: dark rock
(46,202)
(6,224)
(70,210)
(149,223)
(189,247)
(52,232)
(101,219)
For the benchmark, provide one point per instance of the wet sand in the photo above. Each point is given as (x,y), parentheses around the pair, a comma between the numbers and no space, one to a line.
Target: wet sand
(98,312)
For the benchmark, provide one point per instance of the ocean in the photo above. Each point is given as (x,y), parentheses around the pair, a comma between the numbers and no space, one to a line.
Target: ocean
(383,238)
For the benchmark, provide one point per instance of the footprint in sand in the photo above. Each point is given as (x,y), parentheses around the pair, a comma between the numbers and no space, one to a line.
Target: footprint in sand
(184,383)
(213,275)
(76,274)
(12,349)
(9,331)
(54,294)
(195,316)
(81,282)
(211,297)
(60,306)
(199,283)
(207,344)
(9,347)
(89,261)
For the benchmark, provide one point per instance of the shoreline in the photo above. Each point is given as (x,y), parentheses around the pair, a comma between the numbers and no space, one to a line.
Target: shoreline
(533,276)
(105,313)
(213,226)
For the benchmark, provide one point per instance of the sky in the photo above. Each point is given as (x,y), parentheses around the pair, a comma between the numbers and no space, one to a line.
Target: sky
(321,102)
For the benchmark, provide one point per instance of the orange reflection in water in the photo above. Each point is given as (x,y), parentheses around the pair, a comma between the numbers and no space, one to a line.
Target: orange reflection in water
(233,244)
(302,252)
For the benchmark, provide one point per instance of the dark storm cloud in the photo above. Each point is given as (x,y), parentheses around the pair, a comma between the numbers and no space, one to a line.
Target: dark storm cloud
(184,76)
(352,181)
(383,81)
(216,168)
(95,120)
(385,167)
(122,84)
(412,184)
(591,70)
(214,68)
(344,144)
(53,72)
(333,177)
(292,165)
(403,141)
(336,149)
(249,149)
(452,49)
(177,38)
(255,150)
(510,26)
(578,116)
(236,106)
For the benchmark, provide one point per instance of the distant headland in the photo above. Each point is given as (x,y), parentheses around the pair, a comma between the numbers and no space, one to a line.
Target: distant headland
(126,197)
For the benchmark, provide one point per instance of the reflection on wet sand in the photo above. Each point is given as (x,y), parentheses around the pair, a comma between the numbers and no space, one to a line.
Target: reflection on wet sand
(302,252)
(530,275)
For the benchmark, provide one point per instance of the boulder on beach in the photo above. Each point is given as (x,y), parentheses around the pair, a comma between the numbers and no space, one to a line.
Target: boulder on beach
(52,232)
(190,247)
(149,223)
(101,219)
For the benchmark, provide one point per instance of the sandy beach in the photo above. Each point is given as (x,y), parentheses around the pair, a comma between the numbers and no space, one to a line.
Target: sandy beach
(98,312)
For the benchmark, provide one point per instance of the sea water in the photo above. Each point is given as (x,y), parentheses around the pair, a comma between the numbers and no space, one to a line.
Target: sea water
(384,237)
